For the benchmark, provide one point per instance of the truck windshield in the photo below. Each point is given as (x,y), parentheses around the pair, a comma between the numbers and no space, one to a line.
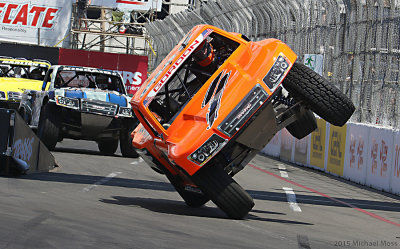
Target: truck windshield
(76,79)
(191,76)
(19,71)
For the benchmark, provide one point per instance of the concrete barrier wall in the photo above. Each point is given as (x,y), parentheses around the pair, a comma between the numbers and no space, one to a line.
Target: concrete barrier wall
(364,154)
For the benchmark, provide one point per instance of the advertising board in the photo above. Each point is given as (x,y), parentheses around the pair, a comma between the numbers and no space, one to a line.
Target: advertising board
(355,160)
(133,68)
(317,148)
(286,145)
(395,174)
(301,150)
(380,149)
(35,22)
(130,5)
(336,150)
(273,148)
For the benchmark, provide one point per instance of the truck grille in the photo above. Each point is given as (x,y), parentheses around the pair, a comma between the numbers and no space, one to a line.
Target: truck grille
(15,96)
(99,107)
(242,112)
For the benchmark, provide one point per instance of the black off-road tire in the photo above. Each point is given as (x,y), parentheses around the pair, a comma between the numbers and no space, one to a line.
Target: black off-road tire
(107,147)
(225,192)
(125,143)
(304,125)
(24,115)
(318,94)
(192,199)
(49,125)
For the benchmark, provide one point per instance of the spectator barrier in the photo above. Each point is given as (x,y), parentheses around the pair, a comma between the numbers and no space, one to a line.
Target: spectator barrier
(364,154)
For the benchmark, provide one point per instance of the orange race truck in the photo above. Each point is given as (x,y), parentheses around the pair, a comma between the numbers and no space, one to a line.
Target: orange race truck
(215,101)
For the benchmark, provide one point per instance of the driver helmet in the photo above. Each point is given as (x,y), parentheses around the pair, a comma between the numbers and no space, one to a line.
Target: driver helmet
(102,81)
(36,74)
(204,54)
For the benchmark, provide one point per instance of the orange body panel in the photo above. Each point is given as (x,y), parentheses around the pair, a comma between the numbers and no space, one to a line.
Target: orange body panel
(245,68)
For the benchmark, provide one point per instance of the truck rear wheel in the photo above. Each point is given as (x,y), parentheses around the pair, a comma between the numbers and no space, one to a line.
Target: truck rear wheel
(49,126)
(108,147)
(303,126)
(225,192)
(125,143)
(318,94)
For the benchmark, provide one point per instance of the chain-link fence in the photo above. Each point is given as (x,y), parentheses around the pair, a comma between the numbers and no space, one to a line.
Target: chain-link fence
(358,39)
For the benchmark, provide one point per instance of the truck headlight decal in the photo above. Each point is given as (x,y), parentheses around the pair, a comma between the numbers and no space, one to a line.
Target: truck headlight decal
(15,96)
(67,102)
(125,112)
(206,151)
(277,72)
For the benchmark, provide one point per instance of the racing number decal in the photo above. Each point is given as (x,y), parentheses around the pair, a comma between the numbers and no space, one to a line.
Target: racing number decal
(214,95)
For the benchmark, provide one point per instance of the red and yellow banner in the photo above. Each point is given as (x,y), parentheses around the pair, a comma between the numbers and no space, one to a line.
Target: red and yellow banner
(336,150)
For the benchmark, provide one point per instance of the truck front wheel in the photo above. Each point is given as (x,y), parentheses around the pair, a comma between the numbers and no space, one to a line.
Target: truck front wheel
(49,126)
(108,147)
(225,192)
(191,198)
(125,143)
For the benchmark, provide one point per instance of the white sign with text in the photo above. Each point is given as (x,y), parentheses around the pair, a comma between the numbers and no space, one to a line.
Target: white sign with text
(39,22)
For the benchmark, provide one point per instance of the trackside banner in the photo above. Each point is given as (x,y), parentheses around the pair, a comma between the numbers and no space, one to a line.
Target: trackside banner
(133,68)
(38,22)
(137,5)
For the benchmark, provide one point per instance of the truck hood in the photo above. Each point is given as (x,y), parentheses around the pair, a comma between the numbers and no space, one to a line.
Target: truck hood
(94,94)
(19,84)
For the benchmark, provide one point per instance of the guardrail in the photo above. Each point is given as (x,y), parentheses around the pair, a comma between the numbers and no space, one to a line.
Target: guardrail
(358,41)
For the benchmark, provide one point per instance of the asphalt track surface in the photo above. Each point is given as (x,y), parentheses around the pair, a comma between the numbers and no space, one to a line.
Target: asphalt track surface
(95,201)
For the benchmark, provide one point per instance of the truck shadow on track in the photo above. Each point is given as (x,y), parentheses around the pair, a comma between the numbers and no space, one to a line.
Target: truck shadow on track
(179,208)
(84,152)
(277,196)
(323,201)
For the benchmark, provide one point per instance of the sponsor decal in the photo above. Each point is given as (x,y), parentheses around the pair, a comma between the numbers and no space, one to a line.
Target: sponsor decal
(178,63)
(356,152)
(156,76)
(131,80)
(317,150)
(23,148)
(136,2)
(337,143)
(243,111)
(28,15)
(23,63)
(89,70)
(379,154)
